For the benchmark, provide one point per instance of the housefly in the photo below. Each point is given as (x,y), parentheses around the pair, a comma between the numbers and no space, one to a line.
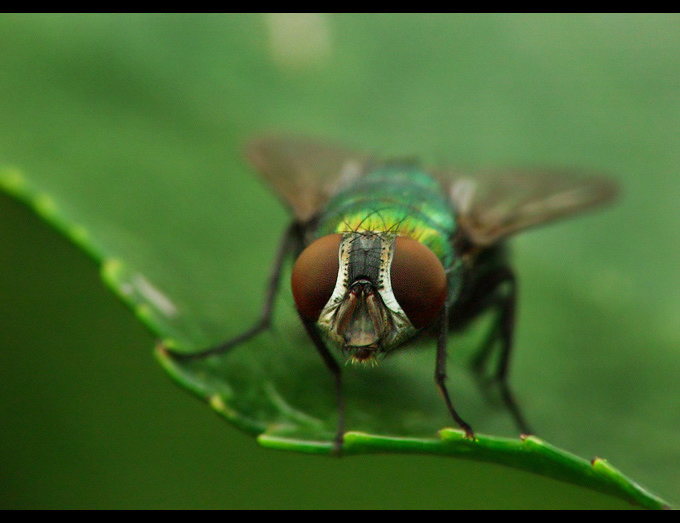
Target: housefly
(387,250)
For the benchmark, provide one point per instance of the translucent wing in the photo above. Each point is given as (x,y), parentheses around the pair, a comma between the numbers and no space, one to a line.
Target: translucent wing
(305,174)
(494,205)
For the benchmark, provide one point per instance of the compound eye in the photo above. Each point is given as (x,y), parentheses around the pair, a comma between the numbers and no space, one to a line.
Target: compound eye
(418,281)
(314,275)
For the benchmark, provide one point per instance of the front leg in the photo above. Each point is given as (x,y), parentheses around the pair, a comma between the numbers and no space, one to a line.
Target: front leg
(291,242)
(440,371)
(333,366)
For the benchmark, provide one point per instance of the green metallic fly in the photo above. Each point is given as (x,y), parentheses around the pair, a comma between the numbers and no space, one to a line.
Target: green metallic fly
(388,251)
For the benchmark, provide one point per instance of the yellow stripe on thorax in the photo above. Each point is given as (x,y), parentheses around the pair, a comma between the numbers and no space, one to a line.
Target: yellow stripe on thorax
(397,224)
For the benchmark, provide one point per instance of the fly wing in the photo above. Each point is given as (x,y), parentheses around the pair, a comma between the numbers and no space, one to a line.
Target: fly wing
(494,205)
(305,174)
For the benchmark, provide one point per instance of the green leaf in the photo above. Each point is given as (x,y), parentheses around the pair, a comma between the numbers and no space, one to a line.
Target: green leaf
(126,133)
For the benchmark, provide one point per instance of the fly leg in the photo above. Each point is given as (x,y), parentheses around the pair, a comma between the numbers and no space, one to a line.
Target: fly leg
(291,242)
(498,288)
(333,366)
(440,371)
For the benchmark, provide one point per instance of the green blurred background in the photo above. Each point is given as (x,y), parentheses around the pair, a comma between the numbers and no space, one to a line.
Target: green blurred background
(99,110)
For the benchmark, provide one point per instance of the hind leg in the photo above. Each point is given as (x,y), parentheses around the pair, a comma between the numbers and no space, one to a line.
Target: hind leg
(495,289)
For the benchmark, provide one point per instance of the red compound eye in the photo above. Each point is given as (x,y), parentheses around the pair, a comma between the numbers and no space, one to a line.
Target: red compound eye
(418,281)
(314,275)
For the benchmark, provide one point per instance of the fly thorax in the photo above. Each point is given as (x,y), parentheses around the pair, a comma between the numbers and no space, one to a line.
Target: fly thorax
(362,316)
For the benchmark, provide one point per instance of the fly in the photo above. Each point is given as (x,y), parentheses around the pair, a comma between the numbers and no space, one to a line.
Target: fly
(385,251)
